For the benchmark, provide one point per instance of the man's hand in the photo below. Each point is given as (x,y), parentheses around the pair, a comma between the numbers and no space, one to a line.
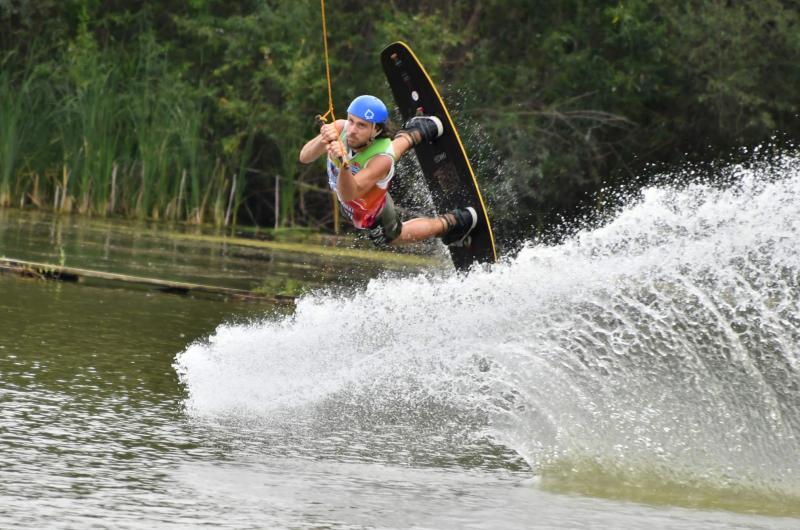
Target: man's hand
(318,146)
(329,133)
(335,150)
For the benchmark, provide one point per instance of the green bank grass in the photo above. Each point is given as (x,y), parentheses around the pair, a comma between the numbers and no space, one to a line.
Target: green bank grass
(113,132)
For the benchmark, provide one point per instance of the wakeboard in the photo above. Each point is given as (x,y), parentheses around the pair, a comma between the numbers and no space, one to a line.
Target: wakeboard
(444,161)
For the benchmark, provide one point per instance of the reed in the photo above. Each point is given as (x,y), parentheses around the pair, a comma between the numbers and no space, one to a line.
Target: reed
(115,132)
(9,135)
(16,95)
(174,177)
(89,137)
(237,184)
(86,127)
(191,151)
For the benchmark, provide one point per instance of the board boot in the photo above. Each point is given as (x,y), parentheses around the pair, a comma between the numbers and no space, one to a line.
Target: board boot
(421,128)
(461,223)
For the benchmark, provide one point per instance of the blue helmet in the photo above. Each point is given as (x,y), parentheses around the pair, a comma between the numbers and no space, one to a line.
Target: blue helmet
(369,108)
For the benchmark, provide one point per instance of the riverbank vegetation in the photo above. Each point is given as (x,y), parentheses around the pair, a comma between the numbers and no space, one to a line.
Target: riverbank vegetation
(195,111)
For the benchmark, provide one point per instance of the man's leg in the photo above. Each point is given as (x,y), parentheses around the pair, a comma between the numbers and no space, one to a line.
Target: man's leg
(389,229)
(453,227)
(422,228)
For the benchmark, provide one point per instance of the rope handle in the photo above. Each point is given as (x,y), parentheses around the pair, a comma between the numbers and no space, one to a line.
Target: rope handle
(327,66)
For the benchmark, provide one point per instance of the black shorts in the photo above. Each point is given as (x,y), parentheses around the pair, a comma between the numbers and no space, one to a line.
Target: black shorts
(387,226)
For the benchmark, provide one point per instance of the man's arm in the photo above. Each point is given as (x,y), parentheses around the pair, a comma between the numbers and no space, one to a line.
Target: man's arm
(352,187)
(313,149)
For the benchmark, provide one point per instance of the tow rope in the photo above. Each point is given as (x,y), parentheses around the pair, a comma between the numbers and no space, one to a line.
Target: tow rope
(330,113)
(323,118)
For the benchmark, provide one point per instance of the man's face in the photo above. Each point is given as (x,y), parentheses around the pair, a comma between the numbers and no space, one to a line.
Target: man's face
(359,132)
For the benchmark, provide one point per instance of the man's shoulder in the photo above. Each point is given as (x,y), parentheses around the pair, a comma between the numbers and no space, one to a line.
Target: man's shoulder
(380,146)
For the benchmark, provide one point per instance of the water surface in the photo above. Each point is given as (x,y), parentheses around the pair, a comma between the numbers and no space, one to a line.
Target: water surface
(641,375)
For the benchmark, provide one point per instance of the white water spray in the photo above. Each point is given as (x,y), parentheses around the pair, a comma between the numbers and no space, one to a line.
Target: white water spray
(665,342)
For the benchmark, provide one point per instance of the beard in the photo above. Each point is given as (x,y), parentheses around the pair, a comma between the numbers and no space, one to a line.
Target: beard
(354,146)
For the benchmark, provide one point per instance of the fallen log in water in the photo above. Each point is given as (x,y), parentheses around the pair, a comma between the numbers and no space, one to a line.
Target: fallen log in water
(47,271)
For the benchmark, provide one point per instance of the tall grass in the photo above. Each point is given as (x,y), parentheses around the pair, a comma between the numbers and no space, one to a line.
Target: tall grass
(188,118)
(17,95)
(87,128)
(109,132)
(10,118)
(237,184)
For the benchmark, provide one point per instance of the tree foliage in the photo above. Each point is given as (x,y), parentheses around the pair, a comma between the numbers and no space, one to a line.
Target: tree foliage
(569,95)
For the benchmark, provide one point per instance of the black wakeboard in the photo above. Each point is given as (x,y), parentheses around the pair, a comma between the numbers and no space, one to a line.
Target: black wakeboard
(444,161)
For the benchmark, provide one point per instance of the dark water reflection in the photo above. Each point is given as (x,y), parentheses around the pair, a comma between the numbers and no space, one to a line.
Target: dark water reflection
(170,253)
(90,404)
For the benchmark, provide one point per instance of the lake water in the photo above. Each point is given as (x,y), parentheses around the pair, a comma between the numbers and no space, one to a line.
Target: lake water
(641,375)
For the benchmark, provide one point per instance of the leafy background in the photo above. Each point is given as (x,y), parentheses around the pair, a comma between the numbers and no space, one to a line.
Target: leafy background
(195,111)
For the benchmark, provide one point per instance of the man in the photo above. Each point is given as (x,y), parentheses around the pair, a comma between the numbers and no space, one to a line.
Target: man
(361,163)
